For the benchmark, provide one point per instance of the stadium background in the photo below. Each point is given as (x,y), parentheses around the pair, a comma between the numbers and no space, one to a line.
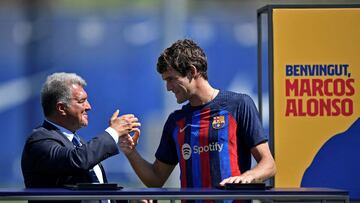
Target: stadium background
(114,45)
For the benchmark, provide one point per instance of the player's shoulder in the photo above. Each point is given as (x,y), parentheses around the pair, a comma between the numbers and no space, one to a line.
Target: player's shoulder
(230,97)
(177,114)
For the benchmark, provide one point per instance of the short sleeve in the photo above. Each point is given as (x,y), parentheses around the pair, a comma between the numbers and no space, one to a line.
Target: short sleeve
(250,128)
(166,151)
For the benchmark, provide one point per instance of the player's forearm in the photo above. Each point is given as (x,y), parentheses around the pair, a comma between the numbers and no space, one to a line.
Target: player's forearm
(269,169)
(264,170)
(265,167)
(144,170)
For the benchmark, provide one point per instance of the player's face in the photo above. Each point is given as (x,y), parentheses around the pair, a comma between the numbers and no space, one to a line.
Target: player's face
(177,84)
(76,110)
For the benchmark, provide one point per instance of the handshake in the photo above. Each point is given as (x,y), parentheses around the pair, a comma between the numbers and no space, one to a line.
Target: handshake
(125,125)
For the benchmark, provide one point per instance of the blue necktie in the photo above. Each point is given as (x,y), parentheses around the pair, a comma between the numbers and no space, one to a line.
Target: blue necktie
(92,174)
(76,140)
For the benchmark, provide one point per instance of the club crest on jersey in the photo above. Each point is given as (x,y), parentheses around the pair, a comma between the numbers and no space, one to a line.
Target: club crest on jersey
(218,122)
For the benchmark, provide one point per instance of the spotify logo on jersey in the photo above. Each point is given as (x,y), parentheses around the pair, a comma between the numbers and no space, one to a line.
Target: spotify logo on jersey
(186,151)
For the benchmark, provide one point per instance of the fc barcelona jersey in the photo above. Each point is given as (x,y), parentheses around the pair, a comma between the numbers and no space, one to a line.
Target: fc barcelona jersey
(213,141)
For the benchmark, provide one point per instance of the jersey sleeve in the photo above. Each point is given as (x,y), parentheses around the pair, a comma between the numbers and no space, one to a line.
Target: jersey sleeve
(166,151)
(251,128)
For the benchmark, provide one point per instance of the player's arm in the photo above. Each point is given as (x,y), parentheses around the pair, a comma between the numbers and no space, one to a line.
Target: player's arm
(264,169)
(152,175)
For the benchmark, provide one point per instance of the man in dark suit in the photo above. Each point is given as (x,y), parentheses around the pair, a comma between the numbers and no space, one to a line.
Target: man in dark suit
(53,155)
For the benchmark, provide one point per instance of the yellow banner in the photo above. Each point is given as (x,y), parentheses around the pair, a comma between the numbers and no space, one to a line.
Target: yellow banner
(316,84)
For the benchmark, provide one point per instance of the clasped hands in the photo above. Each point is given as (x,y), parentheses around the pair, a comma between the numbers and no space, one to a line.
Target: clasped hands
(126,125)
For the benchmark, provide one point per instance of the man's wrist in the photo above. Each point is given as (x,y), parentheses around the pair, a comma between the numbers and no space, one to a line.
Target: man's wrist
(114,134)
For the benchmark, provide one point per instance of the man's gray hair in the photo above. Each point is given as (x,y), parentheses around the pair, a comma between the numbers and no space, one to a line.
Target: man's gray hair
(57,89)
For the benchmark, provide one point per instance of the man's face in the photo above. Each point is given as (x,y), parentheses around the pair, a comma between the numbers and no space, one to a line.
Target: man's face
(179,85)
(76,110)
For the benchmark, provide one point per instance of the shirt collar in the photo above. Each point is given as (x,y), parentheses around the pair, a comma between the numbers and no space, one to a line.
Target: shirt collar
(67,133)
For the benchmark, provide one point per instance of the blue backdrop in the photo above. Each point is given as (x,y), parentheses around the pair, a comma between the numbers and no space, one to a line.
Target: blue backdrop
(116,53)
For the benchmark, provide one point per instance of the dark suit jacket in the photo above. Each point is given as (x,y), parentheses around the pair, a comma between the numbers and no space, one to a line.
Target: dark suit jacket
(49,159)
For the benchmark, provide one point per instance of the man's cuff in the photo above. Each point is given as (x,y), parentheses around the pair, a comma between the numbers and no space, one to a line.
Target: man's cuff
(113,133)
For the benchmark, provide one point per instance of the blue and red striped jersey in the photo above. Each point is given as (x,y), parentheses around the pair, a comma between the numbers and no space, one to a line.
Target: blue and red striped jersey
(213,141)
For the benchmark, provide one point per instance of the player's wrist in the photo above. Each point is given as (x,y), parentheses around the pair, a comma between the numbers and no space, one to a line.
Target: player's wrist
(130,154)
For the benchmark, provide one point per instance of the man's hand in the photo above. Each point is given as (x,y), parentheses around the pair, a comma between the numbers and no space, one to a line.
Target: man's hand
(124,124)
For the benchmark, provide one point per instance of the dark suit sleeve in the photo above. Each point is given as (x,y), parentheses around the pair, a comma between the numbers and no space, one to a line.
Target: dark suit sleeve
(53,156)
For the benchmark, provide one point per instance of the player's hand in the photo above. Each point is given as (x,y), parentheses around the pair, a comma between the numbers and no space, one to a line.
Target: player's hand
(127,143)
(136,135)
(244,178)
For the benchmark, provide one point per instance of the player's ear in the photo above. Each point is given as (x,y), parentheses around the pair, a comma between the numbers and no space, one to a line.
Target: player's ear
(193,72)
